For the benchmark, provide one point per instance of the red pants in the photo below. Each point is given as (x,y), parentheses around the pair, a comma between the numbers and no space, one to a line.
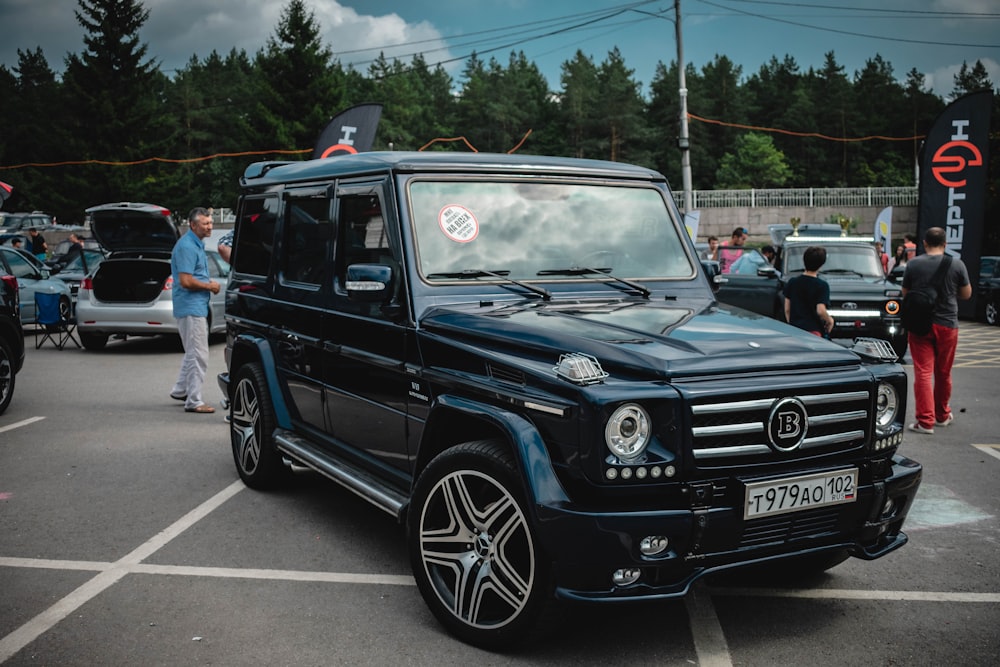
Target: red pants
(933,356)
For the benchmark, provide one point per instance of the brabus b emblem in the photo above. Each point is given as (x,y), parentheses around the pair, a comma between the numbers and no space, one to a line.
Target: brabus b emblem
(787,424)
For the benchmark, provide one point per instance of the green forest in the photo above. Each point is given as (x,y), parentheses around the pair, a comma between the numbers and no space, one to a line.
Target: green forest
(112,126)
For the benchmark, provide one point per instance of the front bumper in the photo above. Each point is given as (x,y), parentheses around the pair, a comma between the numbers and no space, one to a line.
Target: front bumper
(587,547)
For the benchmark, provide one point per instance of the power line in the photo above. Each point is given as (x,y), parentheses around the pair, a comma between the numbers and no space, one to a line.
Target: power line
(847,32)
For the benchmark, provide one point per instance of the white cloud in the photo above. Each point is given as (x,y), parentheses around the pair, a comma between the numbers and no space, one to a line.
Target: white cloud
(942,79)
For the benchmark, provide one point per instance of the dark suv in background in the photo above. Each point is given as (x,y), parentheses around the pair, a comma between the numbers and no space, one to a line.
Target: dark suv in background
(522,359)
(11,339)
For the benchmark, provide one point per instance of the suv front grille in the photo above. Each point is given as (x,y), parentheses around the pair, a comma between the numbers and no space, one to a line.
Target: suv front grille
(734,431)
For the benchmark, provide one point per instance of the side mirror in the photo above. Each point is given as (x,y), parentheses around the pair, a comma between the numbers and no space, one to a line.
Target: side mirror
(767,272)
(714,274)
(369,283)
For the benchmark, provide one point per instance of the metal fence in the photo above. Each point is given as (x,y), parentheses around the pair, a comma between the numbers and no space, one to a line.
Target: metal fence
(810,197)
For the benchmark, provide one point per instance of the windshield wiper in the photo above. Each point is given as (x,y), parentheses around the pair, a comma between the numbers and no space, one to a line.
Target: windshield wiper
(857,273)
(584,270)
(502,275)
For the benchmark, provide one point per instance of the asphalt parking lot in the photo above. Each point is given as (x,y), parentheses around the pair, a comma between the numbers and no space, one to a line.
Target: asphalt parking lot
(127,538)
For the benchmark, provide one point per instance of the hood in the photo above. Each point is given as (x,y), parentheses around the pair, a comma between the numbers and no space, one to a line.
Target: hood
(129,226)
(643,337)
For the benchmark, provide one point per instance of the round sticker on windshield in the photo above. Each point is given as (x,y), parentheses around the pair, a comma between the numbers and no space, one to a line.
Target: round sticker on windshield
(458,223)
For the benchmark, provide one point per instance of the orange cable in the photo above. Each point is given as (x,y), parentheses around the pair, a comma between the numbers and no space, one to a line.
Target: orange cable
(155,159)
(815,135)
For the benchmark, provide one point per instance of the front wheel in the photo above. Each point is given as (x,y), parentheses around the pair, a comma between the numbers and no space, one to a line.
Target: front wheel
(473,550)
(251,430)
(900,343)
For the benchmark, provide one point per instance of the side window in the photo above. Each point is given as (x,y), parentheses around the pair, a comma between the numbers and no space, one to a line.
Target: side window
(20,267)
(253,245)
(308,233)
(362,237)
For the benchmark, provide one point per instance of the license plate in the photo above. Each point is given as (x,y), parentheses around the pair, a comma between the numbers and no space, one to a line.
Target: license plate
(795,494)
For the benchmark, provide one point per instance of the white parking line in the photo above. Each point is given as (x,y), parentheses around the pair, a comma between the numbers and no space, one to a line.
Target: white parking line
(992,450)
(709,639)
(842,594)
(23,422)
(34,628)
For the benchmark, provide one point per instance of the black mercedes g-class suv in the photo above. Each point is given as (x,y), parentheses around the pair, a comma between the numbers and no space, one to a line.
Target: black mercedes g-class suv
(521,359)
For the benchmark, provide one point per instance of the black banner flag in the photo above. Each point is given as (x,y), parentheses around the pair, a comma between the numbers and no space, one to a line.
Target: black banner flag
(350,131)
(954,166)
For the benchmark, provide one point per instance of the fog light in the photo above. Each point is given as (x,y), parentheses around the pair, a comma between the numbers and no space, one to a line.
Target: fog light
(625,576)
(652,545)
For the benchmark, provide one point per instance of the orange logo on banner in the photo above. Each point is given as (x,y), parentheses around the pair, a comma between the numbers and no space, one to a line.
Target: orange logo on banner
(338,148)
(944,164)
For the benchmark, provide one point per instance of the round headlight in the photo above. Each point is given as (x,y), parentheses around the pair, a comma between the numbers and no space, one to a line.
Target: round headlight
(892,307)
(627,432)
(886,407)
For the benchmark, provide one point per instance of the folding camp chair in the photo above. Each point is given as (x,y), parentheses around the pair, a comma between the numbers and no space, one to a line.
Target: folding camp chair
(51,323)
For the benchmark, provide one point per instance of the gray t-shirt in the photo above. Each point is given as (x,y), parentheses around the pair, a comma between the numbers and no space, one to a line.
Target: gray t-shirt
(919,272)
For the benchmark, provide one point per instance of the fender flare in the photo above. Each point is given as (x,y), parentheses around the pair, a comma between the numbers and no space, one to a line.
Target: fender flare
(541,482)
(261,351)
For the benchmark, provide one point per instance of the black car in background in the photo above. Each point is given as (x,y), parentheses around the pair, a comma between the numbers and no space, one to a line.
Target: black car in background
(11,339)
(988,290)
(864,302)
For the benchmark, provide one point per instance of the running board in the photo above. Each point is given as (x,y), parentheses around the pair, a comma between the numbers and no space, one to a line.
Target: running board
(348,475)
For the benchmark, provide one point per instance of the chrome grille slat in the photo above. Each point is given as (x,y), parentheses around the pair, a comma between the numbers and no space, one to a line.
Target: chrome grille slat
(735,431)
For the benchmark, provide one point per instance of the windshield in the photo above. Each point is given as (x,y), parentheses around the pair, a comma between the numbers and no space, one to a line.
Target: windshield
(859,260)
(544,231)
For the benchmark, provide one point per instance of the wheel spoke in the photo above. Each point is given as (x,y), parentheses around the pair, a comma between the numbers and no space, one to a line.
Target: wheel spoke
(244,424)
(476,549)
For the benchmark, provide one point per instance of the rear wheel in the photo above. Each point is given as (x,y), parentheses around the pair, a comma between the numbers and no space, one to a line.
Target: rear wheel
(473,550)
(991,311)
(251,430)
(6,375)
(93,341)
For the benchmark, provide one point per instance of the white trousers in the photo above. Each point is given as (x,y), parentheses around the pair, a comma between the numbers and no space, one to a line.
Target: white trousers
(194,337)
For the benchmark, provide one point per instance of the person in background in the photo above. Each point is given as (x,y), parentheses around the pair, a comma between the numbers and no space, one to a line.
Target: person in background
(769,254)
(910,243)
(807,296)
(39,248)
(712,252)
(16,242)
(934,353)
(899,259)
(733,250)
(882,257)
(225,245)
(191,293)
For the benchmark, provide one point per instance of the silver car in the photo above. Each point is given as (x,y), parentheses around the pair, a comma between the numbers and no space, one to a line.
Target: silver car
(130,292)
(32,276)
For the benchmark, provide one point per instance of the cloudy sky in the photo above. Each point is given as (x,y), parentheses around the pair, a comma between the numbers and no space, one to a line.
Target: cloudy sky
(933,36)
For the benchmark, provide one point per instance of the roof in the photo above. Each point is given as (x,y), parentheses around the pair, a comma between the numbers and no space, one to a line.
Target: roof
(267,173)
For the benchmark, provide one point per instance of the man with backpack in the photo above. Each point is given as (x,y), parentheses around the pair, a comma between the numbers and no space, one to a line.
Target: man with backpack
(932,284)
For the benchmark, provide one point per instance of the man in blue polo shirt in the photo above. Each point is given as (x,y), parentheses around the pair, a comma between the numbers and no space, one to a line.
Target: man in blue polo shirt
(191,292)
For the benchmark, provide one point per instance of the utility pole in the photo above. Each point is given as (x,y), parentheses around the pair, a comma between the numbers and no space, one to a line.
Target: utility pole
(683,142)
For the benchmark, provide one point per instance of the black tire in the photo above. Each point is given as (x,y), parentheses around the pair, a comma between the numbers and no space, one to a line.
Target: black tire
(474,552)
(991,312)
(65,308)
(900,344)
(93,341)
(7,375)
(251,430)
